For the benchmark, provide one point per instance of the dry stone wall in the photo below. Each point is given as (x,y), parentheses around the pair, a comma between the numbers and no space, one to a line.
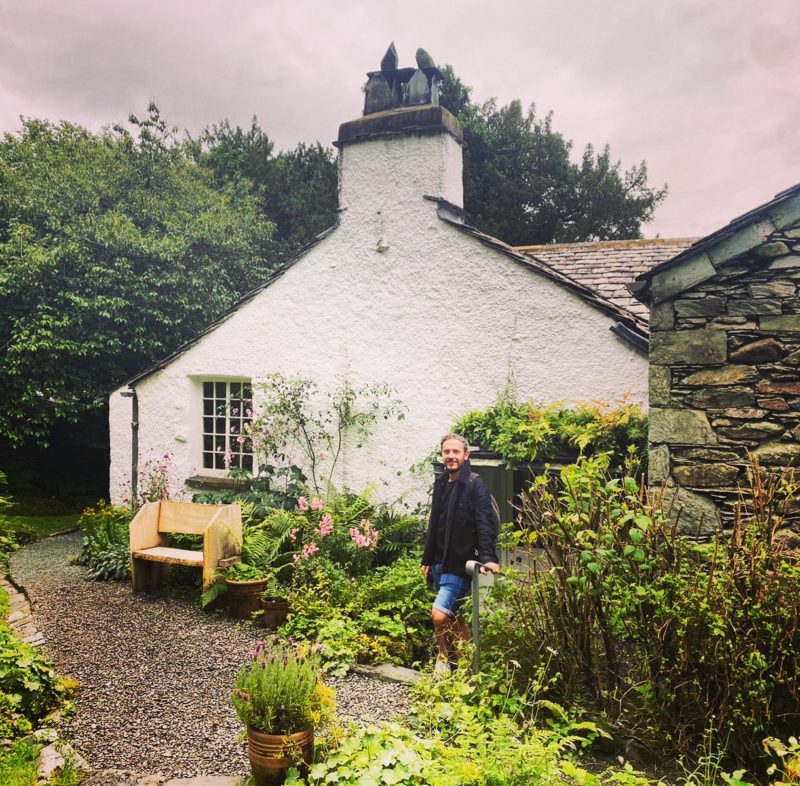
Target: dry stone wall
(725,378)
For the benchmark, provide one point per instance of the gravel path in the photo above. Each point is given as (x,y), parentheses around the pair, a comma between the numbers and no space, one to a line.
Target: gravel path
(155,673)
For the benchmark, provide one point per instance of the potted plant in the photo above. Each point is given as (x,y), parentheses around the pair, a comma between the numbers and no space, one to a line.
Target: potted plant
(244,584)
(275,604)
(281,699)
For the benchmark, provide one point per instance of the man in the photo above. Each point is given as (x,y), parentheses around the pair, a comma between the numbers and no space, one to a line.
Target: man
(460,529)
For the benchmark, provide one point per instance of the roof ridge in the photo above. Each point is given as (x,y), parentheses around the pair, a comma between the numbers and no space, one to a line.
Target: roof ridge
(634,242)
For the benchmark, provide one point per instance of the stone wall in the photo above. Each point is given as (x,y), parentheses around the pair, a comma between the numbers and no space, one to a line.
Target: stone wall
(725,376)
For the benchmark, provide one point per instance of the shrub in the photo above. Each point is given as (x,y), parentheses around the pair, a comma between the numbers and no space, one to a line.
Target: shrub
(382,617)
(452,742)
(524,432)
(8,541)
(280,690)
(666,635)
(106,547)
(30,686)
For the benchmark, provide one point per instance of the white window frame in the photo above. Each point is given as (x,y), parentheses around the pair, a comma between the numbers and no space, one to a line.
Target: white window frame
(220,427)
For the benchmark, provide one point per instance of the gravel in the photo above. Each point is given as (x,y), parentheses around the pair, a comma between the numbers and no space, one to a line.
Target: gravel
(155,672)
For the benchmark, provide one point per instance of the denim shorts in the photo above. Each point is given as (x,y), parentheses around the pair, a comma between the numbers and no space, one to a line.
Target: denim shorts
(451,590)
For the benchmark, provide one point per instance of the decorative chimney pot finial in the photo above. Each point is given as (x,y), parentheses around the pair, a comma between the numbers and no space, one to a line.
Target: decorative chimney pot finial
(393,87)
(389,62)
(424,60)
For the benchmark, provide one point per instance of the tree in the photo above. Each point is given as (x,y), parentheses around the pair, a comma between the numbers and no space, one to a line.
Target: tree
(521,185)
(114,248)
(296,189)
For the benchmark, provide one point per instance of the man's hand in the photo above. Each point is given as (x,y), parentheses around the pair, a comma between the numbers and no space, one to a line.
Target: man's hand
(426,569)
(490,567)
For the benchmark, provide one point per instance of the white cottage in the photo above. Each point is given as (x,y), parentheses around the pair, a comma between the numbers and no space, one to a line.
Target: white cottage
(400,291)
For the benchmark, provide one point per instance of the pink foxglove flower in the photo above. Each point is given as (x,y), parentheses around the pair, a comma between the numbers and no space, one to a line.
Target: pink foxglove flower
(302,504)
(317,504)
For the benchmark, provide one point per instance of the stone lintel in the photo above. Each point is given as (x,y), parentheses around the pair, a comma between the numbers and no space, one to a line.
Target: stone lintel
(786,213)
(740,242)
(406,120)
(681,277)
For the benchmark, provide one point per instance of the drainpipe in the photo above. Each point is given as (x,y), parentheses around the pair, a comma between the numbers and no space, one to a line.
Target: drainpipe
(131,394)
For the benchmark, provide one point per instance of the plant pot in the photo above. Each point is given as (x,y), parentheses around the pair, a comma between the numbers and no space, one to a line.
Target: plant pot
(271,755)
(244,597)
(275,612)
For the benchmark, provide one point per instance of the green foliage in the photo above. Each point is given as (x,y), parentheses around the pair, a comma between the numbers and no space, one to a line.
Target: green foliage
(295,189)
(527,432)
(666,635)
(106,548)
(18,761)
(521,184)
(30,686)
(115,247)
(453,742)
(280,690)
(8,541)
(382,616)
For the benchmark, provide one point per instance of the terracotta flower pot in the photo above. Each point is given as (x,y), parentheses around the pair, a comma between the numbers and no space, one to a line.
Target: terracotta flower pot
(244,597)
(271,755)
(275,612)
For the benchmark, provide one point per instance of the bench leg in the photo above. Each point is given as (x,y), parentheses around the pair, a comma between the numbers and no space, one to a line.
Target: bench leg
(147,575)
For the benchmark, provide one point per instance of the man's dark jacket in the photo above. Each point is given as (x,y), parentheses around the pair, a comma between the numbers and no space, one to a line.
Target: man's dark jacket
(469,531)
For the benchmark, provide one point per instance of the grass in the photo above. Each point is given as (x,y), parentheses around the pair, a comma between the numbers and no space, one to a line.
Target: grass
(18,764)
(39,517)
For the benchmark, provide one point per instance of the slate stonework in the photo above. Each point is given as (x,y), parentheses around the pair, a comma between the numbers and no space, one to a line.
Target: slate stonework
(725,376)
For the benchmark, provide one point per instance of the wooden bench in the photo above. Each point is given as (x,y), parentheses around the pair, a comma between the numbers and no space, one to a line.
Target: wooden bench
(220,526)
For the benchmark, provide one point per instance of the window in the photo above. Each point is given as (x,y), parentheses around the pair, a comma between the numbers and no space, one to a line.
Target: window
(227,409)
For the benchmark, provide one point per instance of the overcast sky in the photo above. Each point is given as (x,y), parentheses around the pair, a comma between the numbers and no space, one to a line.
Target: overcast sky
(706,91)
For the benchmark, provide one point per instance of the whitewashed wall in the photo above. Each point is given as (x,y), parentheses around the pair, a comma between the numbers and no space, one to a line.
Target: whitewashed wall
(393,295)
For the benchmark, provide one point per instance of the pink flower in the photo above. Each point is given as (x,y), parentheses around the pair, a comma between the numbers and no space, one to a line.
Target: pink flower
(364,536)
(302,504)
(309,550)
(325,526)
(317,504)
(295,558)
(293,534)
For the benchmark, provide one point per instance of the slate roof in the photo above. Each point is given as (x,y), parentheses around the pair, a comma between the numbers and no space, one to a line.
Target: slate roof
(607,266)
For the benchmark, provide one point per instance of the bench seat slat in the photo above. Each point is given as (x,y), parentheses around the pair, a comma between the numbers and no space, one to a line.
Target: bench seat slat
(171,556)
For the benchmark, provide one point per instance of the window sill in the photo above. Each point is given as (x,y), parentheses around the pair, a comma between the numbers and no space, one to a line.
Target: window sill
(212,483)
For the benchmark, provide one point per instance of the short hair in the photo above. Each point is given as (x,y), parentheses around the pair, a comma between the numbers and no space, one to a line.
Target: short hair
(456,437)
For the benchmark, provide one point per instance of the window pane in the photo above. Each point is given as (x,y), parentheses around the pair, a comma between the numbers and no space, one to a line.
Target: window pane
(208,443)
(236,389)
(247,463)
(219,426)
(220,389)
(208,425)
(208,407)
(208,389)
(218,462)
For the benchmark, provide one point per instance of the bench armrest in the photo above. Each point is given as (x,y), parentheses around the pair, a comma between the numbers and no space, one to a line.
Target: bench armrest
(144,527)
(221,539)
